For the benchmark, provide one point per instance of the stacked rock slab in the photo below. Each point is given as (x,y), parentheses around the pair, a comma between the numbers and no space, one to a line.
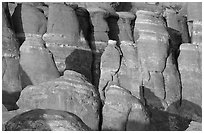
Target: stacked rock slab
(71,92)
(28,19)
(170,73)
(122,111)
(99,39)
(194,12)
(109,66)
(63,40)
(129,73)
(11,81)
(46,120)
(189,62)
(151,38)
(120,26)
(35,60)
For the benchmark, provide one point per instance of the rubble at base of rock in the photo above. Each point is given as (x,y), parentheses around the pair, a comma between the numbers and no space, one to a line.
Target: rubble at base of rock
(107,66)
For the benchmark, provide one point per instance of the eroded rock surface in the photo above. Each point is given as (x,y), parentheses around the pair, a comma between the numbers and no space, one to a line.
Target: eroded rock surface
(71,92)
(46,120)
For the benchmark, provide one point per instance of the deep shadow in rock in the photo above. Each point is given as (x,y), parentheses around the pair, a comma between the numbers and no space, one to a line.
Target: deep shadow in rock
(188,110)
(25,79)
(175,41)
(124,6)
(162,120)
(113,28)
(9,100)
(80,61)
(17,23)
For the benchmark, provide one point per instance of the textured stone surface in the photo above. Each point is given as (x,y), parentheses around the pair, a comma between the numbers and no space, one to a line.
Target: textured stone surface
(151,38)
(146,61)
(46,120)
(120,25)
(196,37)
(172,19)
(152,51)
(172,81)
(64,40)
(28,19)
(70,92)
(122,111)
(190,70)
(110,63)
(194,11)
(36,62)
(11,81)
(194,126)
(129,73)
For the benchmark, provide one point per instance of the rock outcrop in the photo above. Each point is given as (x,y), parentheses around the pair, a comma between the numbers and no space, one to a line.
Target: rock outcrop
(11,80)
(71,92)
(46,120)
(70,51)
(122,111)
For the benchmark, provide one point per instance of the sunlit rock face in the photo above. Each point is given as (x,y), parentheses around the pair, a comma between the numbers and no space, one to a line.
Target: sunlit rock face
(122,111)
(151,38)
(71,92)
(35,59)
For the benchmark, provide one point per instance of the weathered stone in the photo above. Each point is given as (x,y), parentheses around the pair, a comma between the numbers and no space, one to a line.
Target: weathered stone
(129,74)
(194,126)
(11,81)
(184,29)
(36,62)
(70,92)
(99,38)
(172,19)
(110,63)
(196,37)
(12,7)
(122,111)
(152,40)
(172,81)
(4,108)
(63,39)
(121,29)
(7,115)
(194,11)
(190,110)
(154,90)
(124,24)
(189,63)
(27,19)
(46,120)
(98,17)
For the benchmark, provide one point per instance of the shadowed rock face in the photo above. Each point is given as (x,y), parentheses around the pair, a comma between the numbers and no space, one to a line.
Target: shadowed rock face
(11,82)
(70,92)
(46,120)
